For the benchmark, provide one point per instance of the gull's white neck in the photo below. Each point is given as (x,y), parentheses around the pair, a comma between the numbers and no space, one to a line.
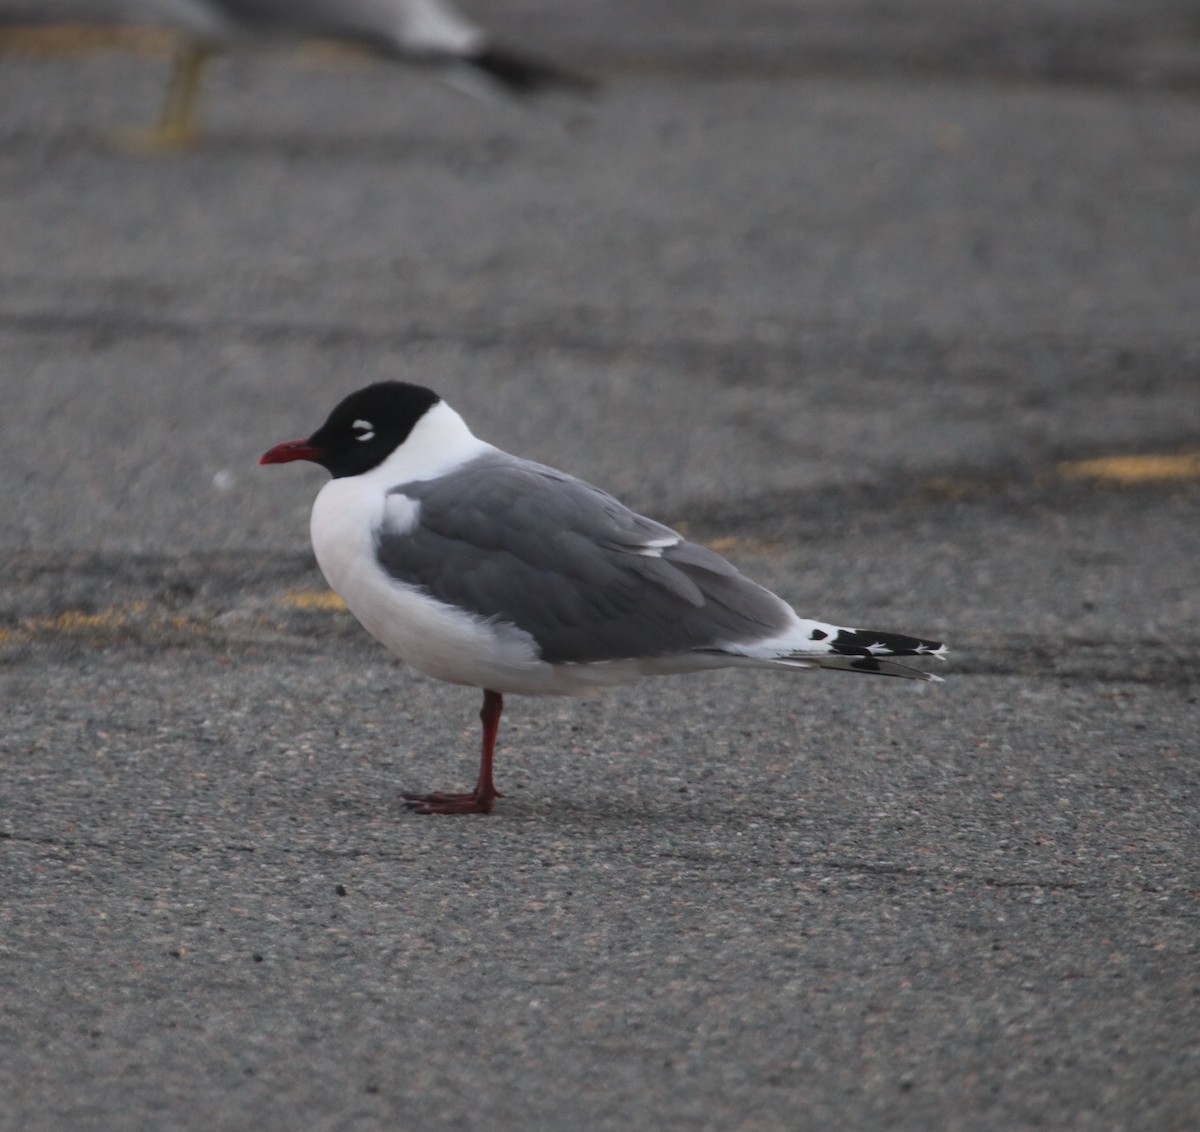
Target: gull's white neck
(439,442)
(348,511)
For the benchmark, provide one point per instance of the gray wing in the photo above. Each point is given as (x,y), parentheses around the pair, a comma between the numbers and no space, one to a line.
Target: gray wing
(578,571)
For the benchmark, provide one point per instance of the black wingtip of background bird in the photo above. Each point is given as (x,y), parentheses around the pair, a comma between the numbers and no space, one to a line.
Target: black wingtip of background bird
(524,75)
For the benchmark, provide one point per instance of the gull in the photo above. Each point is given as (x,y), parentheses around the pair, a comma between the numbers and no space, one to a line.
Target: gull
(414,31)
(481,568)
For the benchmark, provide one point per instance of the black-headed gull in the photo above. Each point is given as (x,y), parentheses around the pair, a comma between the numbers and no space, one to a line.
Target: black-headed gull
(420,31)
(481,568)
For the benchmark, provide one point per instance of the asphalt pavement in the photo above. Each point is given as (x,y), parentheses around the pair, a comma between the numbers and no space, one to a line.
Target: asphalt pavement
(896,306)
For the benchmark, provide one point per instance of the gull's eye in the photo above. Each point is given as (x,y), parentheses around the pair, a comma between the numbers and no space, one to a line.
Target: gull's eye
(363,430)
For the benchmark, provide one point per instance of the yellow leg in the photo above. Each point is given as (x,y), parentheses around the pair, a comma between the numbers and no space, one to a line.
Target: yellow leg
(176,127)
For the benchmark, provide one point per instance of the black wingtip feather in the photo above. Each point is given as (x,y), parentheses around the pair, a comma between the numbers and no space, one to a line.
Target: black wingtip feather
(524,75)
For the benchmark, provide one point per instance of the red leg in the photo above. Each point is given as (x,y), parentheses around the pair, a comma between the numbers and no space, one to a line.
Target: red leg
(483,797)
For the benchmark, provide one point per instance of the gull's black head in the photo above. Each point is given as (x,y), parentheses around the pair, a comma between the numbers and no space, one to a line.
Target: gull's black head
(363,431)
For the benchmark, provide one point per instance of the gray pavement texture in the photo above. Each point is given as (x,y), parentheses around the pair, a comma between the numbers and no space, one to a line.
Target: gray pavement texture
(848,291)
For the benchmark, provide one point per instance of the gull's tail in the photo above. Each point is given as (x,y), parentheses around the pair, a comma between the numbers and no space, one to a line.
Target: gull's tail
(865,650)
(816,644)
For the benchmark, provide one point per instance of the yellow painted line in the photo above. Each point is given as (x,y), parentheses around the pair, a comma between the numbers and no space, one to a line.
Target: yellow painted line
(308,600)
(76,621)
(1134,469)
(143,621)
(104,623)
(84,39)
(49,40)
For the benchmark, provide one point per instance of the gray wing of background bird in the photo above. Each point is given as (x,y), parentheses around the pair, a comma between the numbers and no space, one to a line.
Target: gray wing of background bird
(586,577)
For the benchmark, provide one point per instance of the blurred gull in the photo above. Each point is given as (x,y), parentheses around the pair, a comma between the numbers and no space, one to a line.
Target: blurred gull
(412,31)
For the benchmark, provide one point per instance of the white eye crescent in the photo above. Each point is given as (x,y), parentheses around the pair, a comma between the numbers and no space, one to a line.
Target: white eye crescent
(364,429)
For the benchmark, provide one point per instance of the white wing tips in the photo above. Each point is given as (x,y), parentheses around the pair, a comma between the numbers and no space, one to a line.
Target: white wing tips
(871,665)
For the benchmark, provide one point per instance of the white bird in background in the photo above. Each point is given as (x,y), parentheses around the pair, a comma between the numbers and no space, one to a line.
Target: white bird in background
(480,568)
(428,32)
